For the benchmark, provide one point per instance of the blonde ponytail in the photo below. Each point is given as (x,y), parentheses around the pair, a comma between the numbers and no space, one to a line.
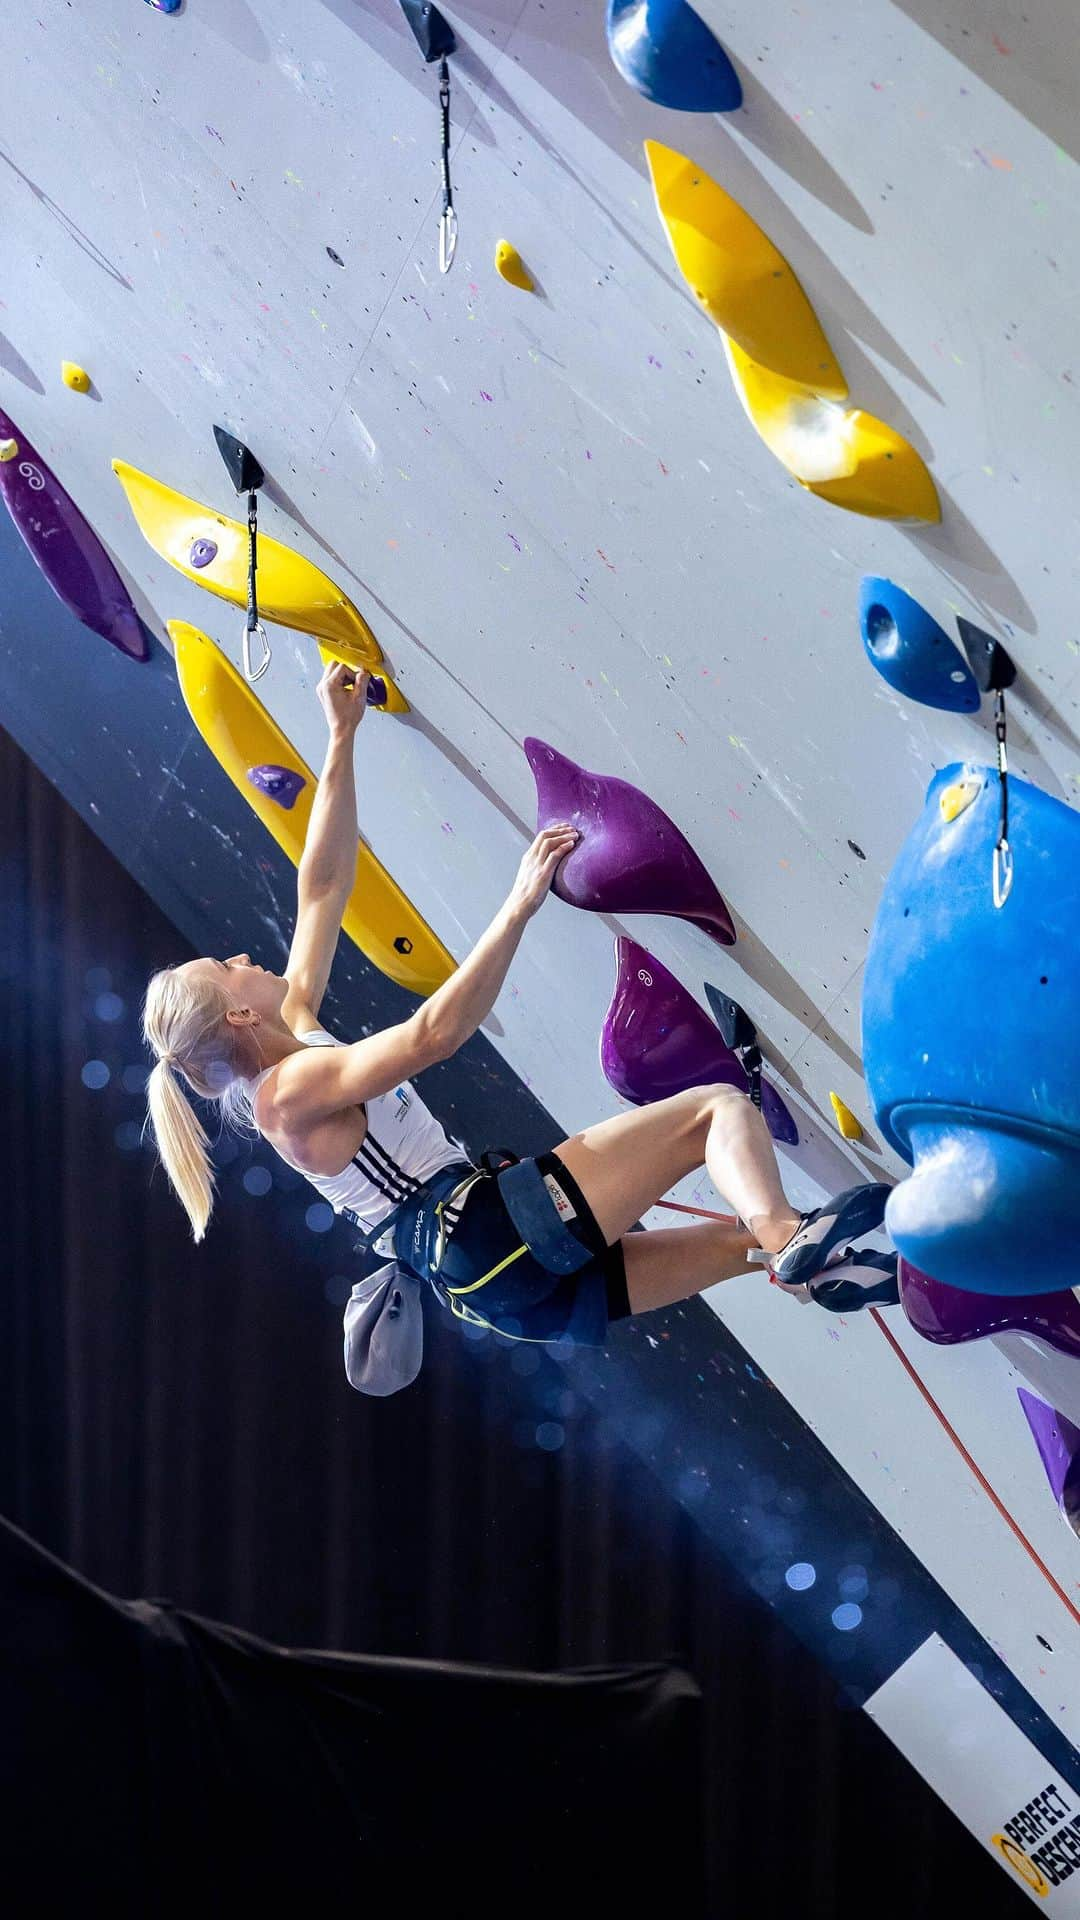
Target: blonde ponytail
(184,1146)
(184,1023)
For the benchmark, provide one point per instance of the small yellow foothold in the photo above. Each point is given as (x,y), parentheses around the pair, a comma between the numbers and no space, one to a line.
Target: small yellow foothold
(75,377)
(510,264)
(8,449)
(954,799)
(845,1119)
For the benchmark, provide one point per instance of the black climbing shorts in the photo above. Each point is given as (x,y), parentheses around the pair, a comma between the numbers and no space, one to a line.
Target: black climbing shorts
(525,1300)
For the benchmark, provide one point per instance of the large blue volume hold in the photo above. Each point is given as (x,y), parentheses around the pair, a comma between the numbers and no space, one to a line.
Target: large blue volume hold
(971,1038)
(664,50)
(911,651)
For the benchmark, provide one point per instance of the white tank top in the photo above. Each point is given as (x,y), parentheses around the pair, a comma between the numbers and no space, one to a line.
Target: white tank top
(403,1146)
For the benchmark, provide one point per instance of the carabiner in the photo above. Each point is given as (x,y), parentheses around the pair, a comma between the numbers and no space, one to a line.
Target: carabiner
(1003,867)
(448,229)
(258,628)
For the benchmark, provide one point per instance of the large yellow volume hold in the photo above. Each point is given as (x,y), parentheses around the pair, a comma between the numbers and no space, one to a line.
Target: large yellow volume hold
(784,370)
(279,787)
(740,278)
(840,453)
(212,551)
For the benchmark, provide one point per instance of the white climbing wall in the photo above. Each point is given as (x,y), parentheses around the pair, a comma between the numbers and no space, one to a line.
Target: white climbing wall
(557,519)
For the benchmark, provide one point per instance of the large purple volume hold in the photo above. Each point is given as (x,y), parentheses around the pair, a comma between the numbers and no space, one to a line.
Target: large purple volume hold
(656,1041)
(66,548)
(631,858)
(948,1315)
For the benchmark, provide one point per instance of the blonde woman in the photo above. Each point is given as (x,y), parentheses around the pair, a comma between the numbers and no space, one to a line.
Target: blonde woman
(544,1250)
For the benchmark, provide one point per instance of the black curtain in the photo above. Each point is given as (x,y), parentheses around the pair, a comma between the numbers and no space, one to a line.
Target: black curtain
(178,1428)
(186,1759)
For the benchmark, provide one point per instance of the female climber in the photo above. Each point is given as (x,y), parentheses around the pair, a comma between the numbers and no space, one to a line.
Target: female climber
(541,1249)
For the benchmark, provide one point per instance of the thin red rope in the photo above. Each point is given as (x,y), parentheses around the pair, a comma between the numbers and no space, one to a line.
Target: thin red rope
(730,1220)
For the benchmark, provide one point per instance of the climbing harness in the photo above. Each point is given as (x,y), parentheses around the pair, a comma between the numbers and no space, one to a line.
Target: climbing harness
(420,1229)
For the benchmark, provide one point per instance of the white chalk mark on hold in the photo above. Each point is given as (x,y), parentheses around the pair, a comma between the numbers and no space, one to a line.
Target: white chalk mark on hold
(442,383)
(291,72)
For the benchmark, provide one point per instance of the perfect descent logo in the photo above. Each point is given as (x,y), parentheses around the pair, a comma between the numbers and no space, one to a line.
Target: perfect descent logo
(1017,1858)
(1041,1842)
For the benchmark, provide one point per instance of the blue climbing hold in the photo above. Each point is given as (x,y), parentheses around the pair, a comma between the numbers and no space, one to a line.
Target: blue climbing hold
(971,1039)
(664,50)
(166,6)
(911,651)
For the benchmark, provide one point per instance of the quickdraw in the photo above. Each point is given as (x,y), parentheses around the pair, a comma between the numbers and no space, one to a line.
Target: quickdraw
(1003,860)
(448,226)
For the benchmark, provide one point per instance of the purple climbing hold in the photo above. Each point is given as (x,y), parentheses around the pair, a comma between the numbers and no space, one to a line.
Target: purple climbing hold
(66,548)
(777,1116)
(278,783)
(948,1315)
(1058,1442)
(657,1041)
(631,858)
(202,552)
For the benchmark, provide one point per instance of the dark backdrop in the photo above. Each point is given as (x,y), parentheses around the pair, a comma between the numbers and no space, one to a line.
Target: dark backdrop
(177,1424)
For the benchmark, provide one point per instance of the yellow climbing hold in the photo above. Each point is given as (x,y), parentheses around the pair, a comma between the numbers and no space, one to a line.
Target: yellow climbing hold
(740,278)
(244,738)
(9,450)
(840,453)
(956,798)
(395,701)
(213,552)
(510,264)
(845,1119)
(782,366)
(75,377)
